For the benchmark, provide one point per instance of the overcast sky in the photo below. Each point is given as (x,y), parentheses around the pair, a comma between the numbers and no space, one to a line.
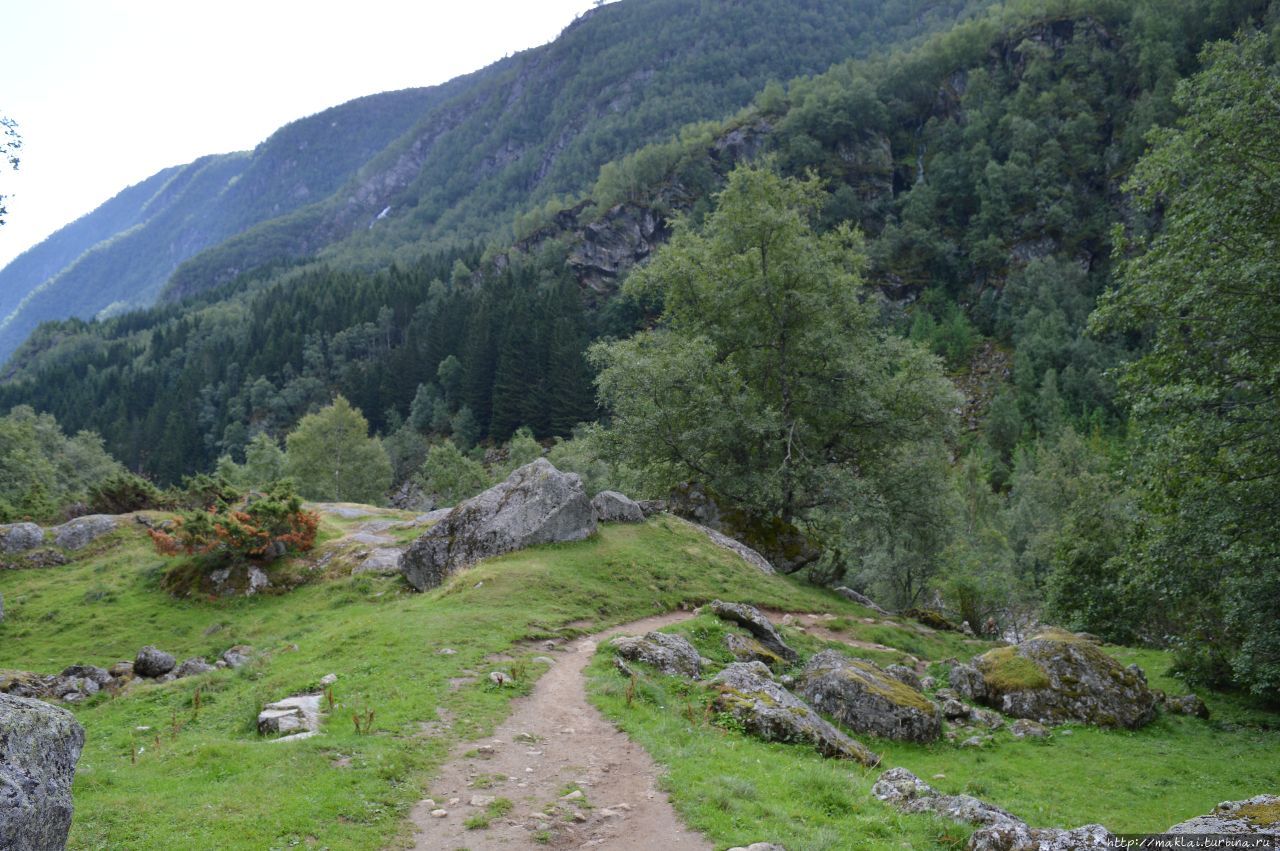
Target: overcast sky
(108,92)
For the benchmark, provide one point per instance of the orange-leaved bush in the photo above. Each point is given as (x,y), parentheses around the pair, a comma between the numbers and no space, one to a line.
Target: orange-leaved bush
(255,526)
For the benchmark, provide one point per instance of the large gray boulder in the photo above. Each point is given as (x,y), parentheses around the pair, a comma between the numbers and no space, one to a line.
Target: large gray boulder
(1257,816)
(753,621)
(537,504)
(1057,677)
(613,507)
(865,699)
(670,654)
(291,716)
(765,709)
(20,537)
(153,662)
(39,747)
(82,531)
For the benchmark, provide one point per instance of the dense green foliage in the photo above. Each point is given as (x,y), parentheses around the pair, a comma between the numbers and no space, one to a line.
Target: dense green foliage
(331,457)
(42,471)
(768,381)
(1204,286)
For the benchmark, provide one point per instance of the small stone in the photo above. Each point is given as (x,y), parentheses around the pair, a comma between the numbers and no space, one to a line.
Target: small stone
(575,795)
(439,813)
(481,800)
(567,731)
(579,816)
(939,777)
(544,660)
(972,742)
(498,678)
(328,679)
(446,651)
(485,750)
(453,802)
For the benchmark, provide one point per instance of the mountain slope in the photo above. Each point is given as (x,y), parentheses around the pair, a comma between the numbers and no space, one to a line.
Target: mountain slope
(119,256)
(391,176)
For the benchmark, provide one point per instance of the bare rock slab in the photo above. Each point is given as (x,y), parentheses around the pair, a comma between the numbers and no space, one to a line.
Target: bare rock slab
(537,504)
(82,531)
(20,537)
(1257,816)
(767,710)
(866,699)
(39,748)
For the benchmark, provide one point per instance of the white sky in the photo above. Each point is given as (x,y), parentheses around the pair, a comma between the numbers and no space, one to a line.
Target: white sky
(108,92)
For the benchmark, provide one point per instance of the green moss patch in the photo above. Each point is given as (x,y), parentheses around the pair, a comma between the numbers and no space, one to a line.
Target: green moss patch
(1006,670)
(1262,815)
(883,685)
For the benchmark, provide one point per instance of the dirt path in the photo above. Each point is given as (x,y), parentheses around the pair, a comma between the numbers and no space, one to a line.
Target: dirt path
(552,742)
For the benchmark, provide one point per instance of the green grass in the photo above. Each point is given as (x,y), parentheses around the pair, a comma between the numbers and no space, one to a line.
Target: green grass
(342,789)
(741,790)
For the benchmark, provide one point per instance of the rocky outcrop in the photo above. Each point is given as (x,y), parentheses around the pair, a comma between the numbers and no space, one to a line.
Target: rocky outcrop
(1185,704)
(609,247)
(865,699)
(82,531)
(670,654)
(999,830)
(1057,677)
(1257,816)
(537,504)
(39,748)
(613,507)
(20,537)
(753,621)
(747,692)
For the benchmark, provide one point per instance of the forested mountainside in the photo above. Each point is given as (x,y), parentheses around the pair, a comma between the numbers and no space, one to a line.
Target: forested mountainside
(119,256)
(984,165)
(389,177)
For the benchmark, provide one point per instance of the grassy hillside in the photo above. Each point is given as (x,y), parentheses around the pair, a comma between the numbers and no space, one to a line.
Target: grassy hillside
(154,767)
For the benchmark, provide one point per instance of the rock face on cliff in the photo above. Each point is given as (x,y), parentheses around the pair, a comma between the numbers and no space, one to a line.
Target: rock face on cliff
(1057,677)
(767,710)
(537,504)
(865,699)
(39,747)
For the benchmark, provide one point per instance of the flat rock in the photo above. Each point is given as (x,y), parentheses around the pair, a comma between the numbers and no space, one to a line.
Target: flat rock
(767,710)
(384,561)
(39,748)
(614,507)
(1057,677)
(671,654)
(82,531)
(20,537)
(297,714)
(862,697)
(753,621)
(537,504)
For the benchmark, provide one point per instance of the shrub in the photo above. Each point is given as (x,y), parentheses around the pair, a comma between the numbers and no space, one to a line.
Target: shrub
(257,527)
(125,492)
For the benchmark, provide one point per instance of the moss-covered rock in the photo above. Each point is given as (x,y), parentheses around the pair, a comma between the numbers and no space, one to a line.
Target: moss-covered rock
(39,747)
(753,621)
(670,654)
(747,649)
(1056,677)
(746,692)
(866,699)
(1259,815)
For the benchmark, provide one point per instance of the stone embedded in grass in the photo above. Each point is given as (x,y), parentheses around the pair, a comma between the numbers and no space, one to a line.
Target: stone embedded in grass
(1259,815)
(748,694)
(82,531)
(298,714)
(864,698)
(152,662)
(1025,728)
(671,654)
(999,830)
(39,748)
(613,507)
(906,676)
(537,504)
(193,667)
(753,621)
(20,537)
(1056,677)
(1186,704)
(237,656)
